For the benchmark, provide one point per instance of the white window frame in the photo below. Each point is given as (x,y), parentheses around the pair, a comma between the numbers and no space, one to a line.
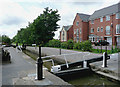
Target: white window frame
(101,29)
(63,33)
(108,18)
(98,29)
(107,30)
(92,21)
(101,19)
(118,29)
(92,30)
(118,15)
(77,31)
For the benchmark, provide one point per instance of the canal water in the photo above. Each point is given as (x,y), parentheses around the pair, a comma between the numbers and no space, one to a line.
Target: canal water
(90,79)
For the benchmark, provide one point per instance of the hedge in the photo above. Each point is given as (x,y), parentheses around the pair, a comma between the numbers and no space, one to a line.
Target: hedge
(70,44)
(85,46)
(64,45)
(54,43)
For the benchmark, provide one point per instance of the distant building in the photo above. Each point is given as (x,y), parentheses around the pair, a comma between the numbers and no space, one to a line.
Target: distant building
(66,33)
(80,27)
(103,24)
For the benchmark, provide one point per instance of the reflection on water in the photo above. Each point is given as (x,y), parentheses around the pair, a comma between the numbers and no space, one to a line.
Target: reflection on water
(88,78)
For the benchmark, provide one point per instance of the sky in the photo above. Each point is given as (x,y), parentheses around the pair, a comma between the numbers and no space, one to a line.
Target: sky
(15,14)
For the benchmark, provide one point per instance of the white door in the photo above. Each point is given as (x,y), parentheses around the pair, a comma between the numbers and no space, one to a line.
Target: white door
(109,39)
(118,41)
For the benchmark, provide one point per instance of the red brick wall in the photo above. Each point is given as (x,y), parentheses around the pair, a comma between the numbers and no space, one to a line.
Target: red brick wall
(103,24)
(83,26)
(85,29)
(70,33)
(60,35)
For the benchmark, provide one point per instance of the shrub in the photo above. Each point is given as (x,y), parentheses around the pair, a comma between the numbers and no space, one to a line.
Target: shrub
(64,45)
(86,46)
(115,50)
(76,45)
(112,50)
(70,44)
(54,43)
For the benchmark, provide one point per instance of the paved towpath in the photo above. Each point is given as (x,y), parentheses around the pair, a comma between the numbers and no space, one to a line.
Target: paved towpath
(113,67)
(17,68)
(73,56)
(22,70)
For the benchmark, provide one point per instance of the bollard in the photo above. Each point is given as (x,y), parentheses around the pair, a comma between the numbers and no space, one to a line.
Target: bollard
(84,64)
(104,60)
(39,66)
(60,51)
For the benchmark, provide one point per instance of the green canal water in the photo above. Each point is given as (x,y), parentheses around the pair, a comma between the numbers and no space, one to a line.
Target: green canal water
(90,79)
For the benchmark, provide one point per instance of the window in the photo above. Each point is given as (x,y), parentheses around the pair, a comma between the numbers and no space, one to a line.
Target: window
(77,32)
(98,29)
(77,38)
(108,18)
(77,23)
(92,21)
(63,38)
(101,29)
(63,33)
(80,31)
(118,29)
(90,39)
(107,30)
(92,30)
(117,15)
(101,19)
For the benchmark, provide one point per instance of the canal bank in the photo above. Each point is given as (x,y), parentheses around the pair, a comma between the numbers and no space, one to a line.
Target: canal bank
(78,79)
(22,71)
(113,67)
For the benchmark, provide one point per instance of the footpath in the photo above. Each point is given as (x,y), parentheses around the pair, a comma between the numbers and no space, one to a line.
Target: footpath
(22,71)
(112,70)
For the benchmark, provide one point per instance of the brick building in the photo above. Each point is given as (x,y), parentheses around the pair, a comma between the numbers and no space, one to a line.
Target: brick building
(103,24)
(66,33)
(80,26)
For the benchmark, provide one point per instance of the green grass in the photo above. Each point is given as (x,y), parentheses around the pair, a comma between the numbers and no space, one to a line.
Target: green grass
(98,51)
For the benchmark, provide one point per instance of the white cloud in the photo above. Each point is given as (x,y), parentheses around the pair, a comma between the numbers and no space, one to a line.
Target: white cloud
(15,14)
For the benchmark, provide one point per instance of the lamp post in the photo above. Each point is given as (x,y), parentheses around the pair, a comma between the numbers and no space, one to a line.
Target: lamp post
(39,66)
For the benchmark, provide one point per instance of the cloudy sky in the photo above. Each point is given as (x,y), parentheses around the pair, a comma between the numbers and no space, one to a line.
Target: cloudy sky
(15,14)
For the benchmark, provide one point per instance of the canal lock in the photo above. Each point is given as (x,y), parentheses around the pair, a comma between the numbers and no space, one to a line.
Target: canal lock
(85,77)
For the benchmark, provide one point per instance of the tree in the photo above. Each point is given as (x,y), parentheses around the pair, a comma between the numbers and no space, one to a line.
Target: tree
(45,25)
(41,30)
(6,39)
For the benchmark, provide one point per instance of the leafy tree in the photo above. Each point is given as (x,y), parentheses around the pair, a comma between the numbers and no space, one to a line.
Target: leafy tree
(6,39)
(45,25)
(0,38)
(41,30)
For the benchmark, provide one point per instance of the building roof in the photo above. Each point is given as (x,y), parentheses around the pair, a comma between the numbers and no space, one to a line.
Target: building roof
(105,11)
(67,27)
(84,17)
